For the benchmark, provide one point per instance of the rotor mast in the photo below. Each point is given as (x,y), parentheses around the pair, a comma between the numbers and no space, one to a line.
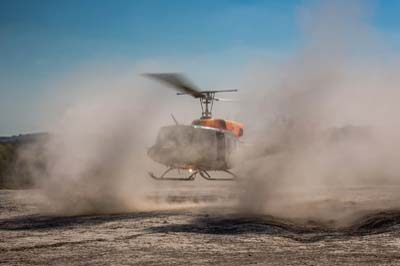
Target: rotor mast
(206,100)
(206,104)
(185,87)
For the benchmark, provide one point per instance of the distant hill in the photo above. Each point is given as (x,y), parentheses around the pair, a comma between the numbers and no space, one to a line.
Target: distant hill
(25,138)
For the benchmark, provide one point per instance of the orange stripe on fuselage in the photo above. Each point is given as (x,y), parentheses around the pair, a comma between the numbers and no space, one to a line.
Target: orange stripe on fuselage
(235,127)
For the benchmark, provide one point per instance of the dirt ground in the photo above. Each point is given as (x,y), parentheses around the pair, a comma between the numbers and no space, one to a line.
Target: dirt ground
(200,233)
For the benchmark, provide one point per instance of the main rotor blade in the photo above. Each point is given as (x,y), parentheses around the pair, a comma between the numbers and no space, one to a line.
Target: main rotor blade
(225,100)
(219,91)
(177,81)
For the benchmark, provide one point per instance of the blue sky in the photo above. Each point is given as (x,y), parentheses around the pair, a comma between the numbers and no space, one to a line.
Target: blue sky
(41,39)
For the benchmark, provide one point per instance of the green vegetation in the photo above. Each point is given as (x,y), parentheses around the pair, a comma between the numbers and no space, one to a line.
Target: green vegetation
(21,158)
(7,157)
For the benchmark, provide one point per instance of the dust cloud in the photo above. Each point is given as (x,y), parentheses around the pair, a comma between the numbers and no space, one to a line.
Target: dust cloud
(320,125)
(326,123)
(95,158)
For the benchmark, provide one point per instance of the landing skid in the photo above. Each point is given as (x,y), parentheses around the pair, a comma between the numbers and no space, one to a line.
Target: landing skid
(203,173)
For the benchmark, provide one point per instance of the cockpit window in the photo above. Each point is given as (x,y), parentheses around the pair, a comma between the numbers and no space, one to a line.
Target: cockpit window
(174,135)
(184,135)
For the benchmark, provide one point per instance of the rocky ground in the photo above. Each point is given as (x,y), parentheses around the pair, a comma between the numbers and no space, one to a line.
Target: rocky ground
(199,233)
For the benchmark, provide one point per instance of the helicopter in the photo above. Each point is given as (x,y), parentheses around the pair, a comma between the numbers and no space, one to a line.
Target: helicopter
(206,145)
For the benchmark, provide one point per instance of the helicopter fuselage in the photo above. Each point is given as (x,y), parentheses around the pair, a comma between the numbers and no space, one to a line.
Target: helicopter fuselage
(194,147)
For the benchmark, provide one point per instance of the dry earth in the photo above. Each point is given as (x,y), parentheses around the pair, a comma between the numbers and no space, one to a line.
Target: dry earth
(202,231)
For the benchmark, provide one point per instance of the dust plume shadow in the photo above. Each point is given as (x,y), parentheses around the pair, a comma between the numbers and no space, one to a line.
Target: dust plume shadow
(48,222)
(306,231)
